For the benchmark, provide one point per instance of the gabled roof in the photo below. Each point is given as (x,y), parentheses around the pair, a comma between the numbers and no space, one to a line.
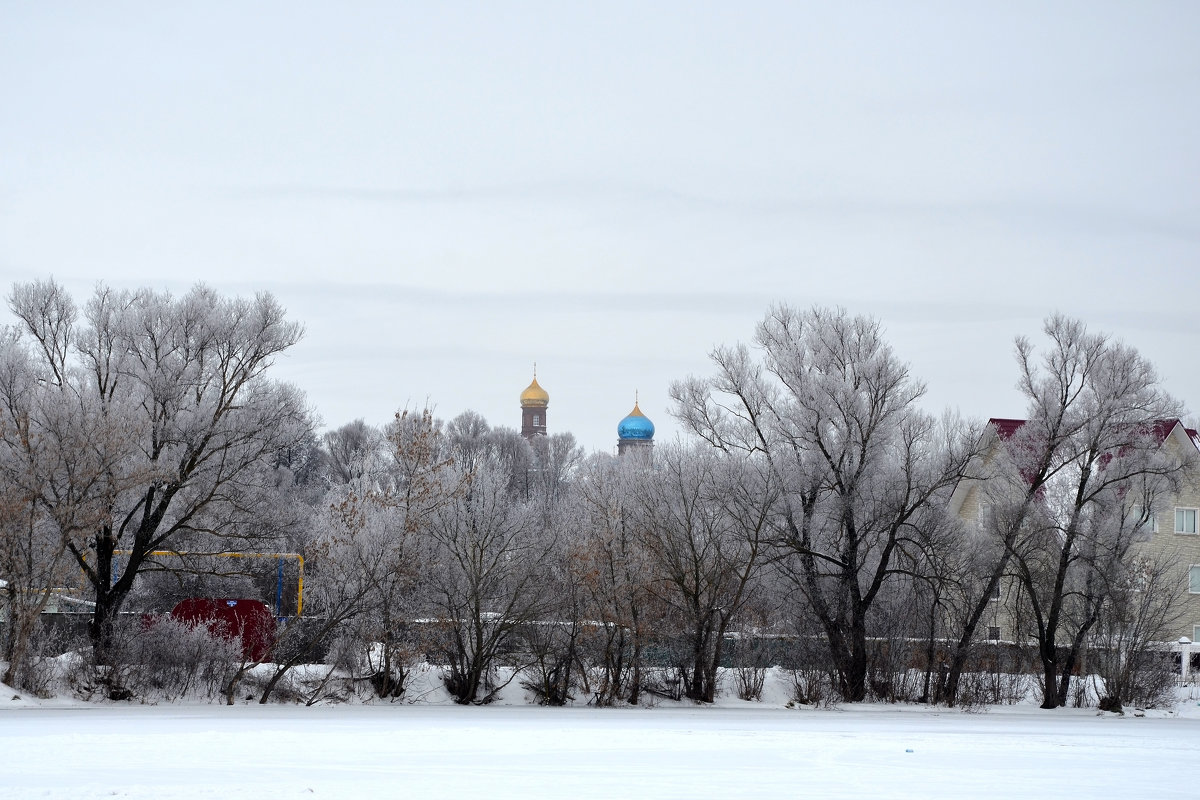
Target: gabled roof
(1002,429)
(1163,428)
(1005,428)
(1166,428)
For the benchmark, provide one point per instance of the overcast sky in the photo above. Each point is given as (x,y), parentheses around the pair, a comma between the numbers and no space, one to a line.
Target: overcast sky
(444,193)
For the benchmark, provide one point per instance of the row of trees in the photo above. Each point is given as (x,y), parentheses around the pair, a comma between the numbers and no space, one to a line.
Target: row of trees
(812,505)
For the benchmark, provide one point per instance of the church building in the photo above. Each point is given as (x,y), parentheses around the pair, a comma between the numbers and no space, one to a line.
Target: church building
(635,433)
(534,401)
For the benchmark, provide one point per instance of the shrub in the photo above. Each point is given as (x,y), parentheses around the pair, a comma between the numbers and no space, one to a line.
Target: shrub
(167,659)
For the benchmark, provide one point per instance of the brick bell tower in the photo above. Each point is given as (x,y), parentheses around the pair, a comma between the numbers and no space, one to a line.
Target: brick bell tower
(534,401)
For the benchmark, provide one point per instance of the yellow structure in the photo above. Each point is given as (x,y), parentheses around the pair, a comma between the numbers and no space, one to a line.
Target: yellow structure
(299,559)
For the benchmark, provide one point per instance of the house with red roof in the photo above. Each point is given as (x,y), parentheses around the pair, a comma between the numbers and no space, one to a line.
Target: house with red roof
(1171,533)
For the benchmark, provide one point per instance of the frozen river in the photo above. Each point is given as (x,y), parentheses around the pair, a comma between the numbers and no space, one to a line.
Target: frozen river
(501,752)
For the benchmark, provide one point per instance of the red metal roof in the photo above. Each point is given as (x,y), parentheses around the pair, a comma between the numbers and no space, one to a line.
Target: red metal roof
(1163,428)
(1005,428)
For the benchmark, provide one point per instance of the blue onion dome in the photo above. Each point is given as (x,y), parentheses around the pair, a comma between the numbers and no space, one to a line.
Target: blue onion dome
(636,426)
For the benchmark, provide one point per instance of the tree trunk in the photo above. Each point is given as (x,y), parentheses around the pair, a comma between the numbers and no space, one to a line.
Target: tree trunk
(110,595)
(856,672)
(102,628)
(635,679)
(710,671)
(958,660)
(1049,676)
(1078,643)
(17,647)
(715,664)
(699,688)
(930,648)
(849,653)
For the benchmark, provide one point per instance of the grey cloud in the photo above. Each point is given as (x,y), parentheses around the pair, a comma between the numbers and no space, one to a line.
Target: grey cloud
(1016,212)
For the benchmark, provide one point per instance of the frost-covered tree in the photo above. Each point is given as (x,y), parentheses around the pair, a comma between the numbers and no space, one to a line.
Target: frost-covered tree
(353,452)
(384,540)
(60,459)
(487,545)
(610,564)
(707,524)
(834,413)
(555,644)
(555,460)
(32,551)
(1072,488)
(1136,618)
(174,396)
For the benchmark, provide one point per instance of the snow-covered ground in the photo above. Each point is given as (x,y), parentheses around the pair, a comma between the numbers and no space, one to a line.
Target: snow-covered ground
(501,752)
(66,749)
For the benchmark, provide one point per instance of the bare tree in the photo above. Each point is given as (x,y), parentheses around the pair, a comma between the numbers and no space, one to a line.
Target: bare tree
(386,516)
(352,452)
(1141,609)
(174,394)
(554,643)
(555,460)
(486,548)
(707,526)
(934,561)
(1065,493)
(347,573)
(610,563)
(833,411)
(56,464)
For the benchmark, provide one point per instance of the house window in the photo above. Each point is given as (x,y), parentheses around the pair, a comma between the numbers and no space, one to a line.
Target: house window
(996,592)
(1185,520)
(1194,579)
(994,632)
(537,420)
(1195,633)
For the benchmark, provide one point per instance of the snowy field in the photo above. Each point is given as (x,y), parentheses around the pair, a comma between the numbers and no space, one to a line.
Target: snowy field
(748,750)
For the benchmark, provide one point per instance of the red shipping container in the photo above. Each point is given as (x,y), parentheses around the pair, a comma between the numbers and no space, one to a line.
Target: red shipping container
(232,618)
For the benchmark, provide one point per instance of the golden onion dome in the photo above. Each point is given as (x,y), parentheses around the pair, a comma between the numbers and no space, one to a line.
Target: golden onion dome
(534,396)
